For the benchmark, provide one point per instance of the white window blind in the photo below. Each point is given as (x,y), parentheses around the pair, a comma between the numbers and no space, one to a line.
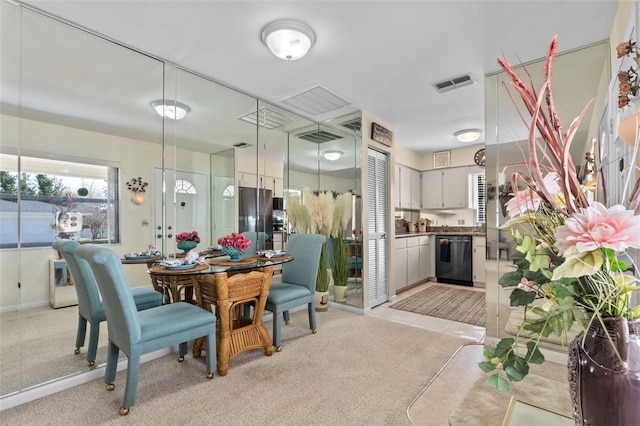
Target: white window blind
(480,198)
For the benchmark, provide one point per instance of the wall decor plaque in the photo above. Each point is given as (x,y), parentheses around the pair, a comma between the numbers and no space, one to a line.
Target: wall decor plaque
(441,159)
(381,134)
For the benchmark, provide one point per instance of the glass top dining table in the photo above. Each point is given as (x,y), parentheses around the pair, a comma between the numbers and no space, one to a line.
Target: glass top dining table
(223,264)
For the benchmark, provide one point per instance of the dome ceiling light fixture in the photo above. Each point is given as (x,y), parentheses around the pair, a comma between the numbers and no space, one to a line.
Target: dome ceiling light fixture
(332,155)
(468,135)
(288,39)
(170,109)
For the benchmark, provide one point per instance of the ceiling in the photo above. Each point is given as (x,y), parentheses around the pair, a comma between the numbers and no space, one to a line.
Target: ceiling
(381,56)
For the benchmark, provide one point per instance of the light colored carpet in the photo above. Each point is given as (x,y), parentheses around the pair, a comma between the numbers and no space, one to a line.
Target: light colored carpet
(451,303)
(358,370)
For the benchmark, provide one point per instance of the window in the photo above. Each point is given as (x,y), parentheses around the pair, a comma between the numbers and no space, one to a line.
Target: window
(36,199)
(185,187)
(480,198)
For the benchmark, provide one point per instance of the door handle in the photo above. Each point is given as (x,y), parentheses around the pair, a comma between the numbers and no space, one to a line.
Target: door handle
(169,235)
(159,236)
(383,236)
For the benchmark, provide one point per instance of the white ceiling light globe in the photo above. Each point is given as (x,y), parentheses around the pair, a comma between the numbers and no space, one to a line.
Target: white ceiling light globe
(288,39)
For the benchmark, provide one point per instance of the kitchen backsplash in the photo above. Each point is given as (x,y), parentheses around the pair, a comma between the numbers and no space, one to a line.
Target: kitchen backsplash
(460,217)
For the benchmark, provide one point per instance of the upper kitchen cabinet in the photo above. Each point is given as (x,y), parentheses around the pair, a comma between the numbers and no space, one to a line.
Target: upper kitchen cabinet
(445,189)
(408,188)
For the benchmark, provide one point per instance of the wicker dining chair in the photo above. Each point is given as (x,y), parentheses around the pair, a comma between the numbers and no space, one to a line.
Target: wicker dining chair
(236,332)
(90,307)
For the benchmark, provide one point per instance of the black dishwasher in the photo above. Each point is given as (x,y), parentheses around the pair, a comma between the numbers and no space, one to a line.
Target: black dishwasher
(453,259)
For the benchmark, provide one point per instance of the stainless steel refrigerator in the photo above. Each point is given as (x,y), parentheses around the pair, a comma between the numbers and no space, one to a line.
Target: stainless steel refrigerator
(255,210)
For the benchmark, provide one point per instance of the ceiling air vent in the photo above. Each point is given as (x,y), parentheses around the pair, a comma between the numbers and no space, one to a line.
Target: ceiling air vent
(454,83)
(315,101)
(241,145)
(353,125)
(319,136)
(268,116)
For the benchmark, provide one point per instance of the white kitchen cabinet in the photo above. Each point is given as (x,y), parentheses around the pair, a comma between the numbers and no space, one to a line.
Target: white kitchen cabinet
(396,186)
(413,260)
(400,269)
(416,189)
(479,260)
(278,187)
(408,187)
(445,189)
(425,257)
(247,180)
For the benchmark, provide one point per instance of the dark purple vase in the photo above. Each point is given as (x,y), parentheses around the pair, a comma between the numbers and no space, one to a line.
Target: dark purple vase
(605,386)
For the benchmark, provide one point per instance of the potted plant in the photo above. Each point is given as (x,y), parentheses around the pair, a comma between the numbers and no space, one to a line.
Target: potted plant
(572,266)
(187,241)
(339,271)
(320,206)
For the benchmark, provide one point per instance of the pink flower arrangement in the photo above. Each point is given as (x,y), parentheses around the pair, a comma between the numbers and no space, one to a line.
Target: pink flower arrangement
(235,240)
(188,236)
(571,261)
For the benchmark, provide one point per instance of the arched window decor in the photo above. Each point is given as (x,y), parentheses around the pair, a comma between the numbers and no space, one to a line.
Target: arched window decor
(185,187)
(229,191)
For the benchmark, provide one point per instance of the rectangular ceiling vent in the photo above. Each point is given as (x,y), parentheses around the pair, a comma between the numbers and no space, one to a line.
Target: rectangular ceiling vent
(353,125)
(241,145)
(454,83)
(268,117)
(316,101)
(319,136)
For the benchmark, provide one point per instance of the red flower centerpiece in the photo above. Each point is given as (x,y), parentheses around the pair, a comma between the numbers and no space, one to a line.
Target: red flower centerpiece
(187,241)
(233,245)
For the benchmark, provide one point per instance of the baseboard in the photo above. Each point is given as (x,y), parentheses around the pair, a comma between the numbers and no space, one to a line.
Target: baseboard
(48,388)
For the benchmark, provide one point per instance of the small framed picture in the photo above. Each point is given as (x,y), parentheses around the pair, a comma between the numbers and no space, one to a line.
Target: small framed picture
(441,159)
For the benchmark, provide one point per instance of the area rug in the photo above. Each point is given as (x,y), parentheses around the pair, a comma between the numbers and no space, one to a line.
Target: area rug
(455,304)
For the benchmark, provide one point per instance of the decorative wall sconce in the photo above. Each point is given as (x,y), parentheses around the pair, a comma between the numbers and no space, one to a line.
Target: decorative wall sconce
(137,186)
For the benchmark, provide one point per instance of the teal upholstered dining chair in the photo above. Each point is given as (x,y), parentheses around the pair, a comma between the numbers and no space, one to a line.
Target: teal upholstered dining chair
(90,307)
(258,242)
(138,332)
(298,284)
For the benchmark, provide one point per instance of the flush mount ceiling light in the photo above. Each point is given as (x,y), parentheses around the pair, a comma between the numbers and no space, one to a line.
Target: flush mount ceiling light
(288,39)
(332,155)
(467,135)
(170,109)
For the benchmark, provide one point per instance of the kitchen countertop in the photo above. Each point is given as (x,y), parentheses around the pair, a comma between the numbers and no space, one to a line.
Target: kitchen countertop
(443,231)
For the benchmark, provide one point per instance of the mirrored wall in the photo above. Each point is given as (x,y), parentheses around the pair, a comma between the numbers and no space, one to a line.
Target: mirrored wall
(507,137)
(80,112)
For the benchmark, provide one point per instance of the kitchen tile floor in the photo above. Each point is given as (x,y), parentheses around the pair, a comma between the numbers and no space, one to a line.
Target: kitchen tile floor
(466,331)
(443,393)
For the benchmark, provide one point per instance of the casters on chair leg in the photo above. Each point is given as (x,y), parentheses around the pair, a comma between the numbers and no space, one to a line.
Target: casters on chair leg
(278,348)
(210,376)
(314,331)
(91,363)
(286,322)
(124,411)
(110,386)
(180,358)
(77,351)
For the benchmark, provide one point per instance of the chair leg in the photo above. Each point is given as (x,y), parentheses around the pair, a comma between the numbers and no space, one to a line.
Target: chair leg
(80,334)
(276,332)
(183,348)
(211,355)
(112,364)
(286,317)
(133,371)
(94,333)
(312,318)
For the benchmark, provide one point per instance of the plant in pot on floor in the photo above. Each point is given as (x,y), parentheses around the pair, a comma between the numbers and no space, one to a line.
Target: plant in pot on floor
(339,272)
(572,266)
(320,208)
